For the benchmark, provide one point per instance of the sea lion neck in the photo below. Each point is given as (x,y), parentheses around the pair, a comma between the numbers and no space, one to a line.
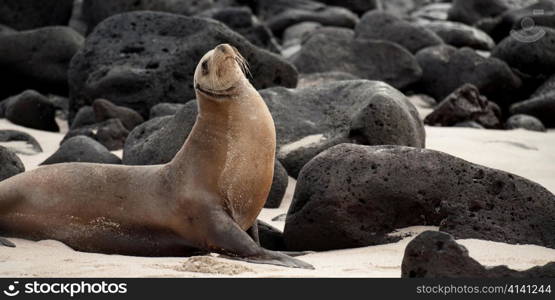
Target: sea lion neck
(219,123)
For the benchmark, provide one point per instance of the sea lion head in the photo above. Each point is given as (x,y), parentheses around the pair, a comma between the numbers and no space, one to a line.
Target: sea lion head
(220,73)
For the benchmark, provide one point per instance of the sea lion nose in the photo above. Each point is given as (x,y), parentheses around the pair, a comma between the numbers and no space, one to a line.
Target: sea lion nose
(224,48)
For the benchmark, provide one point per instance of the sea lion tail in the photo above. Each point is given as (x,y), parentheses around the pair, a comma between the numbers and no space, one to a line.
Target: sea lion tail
(6,242)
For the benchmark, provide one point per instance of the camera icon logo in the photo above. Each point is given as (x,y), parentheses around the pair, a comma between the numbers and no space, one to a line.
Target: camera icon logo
(529,33)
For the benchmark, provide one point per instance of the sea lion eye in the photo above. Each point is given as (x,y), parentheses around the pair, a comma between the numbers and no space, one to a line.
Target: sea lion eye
(204,66)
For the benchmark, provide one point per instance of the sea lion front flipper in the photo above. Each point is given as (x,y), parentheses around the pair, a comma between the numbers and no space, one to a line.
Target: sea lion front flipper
(224,236)
(253,233)
(7,243)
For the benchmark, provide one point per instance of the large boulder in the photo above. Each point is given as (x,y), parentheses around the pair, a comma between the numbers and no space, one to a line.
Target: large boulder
(379,25)
(31,109)
(533,57)
(94,11)
(371,110)
(352,196)
(30,14)
(37,59)
(446,68)
(465,105)
(158,140)
(121,62)
(337,49)
(82,149)
(435,254)
(10,164)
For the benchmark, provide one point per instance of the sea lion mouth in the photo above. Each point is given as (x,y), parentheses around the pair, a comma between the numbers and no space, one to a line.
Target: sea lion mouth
(216,93)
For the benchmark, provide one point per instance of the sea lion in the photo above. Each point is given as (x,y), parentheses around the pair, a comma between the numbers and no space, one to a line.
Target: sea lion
(203,200)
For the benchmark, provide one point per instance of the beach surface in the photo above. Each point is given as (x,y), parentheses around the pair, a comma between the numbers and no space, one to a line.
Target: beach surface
(525,153)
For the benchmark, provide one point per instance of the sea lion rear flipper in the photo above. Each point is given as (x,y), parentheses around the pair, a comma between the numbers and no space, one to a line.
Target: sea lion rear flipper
(296,253)
(7,243)
(224,236)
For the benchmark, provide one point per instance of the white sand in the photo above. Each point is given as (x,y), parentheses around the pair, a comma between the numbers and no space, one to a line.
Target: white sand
(524,153)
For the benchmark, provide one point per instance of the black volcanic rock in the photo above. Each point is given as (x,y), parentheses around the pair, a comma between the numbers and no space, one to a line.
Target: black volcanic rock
(8,135)
(541,107)
(352,196)
(6,30)
(460,35)
(105,110)
(447,68)
(315,79)
(547,87)
(95,11)
(370,110)
(435,254)
(270,237)
(472,11)
(337,49)
(464,105)
(165,109)
(357,6)
(433,12)
(242,21)
(279,185)
(535,58)
(158,140)
(85,116)
(538,13)
(120,62)
(82,149)
(10,164)
(379,25)
(329,16)
(525,122)
(30,14)
(111,133)
(37,59)
(31,109)
(280,14)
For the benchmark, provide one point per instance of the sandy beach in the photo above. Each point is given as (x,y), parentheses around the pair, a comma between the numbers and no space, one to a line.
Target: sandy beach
(525,153)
